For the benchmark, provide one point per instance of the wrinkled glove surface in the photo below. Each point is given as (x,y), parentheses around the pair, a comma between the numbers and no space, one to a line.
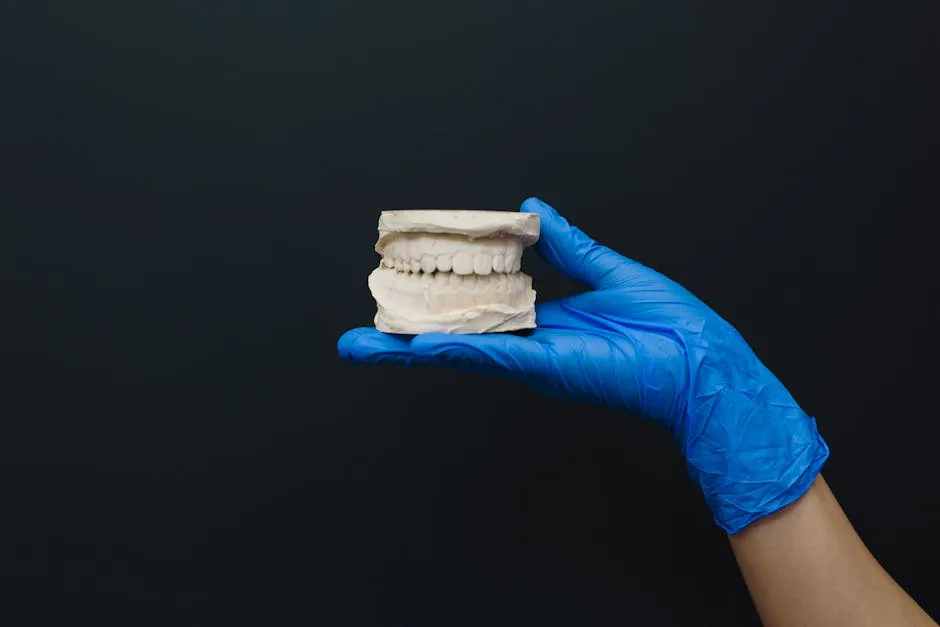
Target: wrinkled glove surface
(642,343)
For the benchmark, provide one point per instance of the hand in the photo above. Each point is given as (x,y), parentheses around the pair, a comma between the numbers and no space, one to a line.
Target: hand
(642,343)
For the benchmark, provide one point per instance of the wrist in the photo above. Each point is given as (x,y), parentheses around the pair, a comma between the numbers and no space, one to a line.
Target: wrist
(751,459)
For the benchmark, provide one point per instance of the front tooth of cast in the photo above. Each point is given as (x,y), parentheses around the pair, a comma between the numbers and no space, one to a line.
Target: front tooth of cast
(428,264)
(455,280)
(499,263)
(463,263)
(444,263)
(441,279)
(482,264)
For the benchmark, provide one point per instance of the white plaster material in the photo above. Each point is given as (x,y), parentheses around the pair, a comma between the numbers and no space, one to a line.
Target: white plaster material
(453,271)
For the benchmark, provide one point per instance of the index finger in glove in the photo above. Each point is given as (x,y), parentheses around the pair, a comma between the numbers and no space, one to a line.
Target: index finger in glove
(501,354)
(367,345)
(497,354)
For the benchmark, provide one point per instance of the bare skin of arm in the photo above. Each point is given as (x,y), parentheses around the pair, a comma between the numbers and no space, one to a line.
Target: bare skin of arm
(805,565)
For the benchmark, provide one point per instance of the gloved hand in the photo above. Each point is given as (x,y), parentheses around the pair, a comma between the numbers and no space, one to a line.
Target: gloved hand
(642,343)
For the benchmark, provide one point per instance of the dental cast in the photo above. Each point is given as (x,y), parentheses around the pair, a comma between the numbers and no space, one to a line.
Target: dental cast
(453,271)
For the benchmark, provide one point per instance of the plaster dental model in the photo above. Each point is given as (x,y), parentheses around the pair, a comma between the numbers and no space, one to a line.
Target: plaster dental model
(453,271)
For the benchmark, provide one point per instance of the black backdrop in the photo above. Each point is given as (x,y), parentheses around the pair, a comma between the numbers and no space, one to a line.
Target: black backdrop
(189,200)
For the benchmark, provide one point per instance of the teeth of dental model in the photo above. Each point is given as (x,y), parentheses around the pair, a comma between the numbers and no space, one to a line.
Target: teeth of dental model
(450,252)
(463,263)
(428,264)
(453,271)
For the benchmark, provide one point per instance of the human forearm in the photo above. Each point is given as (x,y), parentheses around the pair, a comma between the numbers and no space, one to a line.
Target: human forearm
(805,565)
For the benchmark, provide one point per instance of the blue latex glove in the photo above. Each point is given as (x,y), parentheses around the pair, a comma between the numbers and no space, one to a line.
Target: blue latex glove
(642,343)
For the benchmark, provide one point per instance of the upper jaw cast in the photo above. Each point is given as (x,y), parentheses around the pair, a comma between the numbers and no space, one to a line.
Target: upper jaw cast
(448,252)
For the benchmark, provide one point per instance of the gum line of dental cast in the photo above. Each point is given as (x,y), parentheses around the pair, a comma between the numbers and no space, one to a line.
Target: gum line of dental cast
(428,255)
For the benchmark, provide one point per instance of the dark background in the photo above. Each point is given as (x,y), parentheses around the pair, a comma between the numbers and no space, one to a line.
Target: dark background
(188,205)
